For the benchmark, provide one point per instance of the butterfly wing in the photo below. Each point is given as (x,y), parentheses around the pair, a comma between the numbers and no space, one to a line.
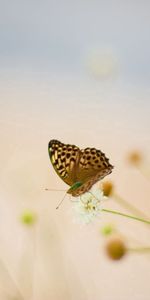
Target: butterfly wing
(64,158)
(92,166)
(91,162)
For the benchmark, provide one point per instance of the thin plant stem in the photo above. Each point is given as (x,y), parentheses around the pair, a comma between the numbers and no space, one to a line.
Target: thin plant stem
(129,206)
(143,171)
(126,215)
(35,252)
(11,276)
(140,249)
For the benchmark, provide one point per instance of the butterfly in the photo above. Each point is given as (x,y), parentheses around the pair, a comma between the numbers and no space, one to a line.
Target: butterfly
(80,169)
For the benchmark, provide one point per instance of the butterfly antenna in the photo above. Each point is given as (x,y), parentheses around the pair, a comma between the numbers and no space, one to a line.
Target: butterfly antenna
(61,201)
(54,190)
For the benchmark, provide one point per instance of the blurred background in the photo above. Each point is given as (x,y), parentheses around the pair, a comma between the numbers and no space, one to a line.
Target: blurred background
(79,72)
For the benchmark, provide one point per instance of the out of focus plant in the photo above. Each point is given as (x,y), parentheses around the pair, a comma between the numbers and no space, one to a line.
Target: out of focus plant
(136,159)
(109,191)
(28,218)
(115,248)
(107,230)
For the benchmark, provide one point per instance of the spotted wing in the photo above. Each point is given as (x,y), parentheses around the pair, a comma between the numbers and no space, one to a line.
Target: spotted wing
(64,158)
(93,165)
(91,162)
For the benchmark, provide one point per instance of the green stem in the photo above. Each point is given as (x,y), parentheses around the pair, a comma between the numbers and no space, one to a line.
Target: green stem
(125,215)
(141,249)
(129,206)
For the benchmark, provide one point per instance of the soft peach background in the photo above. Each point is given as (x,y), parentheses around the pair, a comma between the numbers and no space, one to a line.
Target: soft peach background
(47,91)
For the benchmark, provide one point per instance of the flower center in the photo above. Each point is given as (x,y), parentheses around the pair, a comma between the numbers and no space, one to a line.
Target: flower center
(89,206)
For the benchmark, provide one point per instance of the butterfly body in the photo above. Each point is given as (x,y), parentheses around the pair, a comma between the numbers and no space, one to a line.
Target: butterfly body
(80,169)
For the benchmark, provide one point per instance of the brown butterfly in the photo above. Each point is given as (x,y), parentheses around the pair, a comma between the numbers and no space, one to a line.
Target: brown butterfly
(78,168)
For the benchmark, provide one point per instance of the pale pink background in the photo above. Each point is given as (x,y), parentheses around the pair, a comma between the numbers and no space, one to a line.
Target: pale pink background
(47,94)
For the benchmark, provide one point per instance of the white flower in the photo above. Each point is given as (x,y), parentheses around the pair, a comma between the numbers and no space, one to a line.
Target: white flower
(88,206)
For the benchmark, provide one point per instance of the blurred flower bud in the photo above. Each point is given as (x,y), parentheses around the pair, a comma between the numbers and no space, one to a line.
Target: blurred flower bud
(107,188)
(28,218)
(102,63)
(116,248)
(134,157)
(107,230)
